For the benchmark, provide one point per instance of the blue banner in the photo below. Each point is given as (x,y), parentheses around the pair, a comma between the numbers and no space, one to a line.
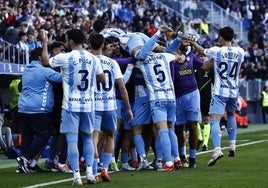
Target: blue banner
(11,68)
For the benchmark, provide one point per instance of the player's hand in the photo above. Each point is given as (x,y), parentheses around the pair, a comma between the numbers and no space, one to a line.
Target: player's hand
(130,65)
(182,58)
(44,36)
(130,115)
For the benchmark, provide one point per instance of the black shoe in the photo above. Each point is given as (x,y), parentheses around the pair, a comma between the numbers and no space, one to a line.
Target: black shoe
(192,163)
(231,153)
(185,163)
(35,169)
(23,163)
(199,144)
(19,170)
(204,148)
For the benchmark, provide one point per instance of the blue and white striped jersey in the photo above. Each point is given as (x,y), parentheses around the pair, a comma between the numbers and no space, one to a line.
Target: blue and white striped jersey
(105,98)
(227,63)
(157,76)
(79,70)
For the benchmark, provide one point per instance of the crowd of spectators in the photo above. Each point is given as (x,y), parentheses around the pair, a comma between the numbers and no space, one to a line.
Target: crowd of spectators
(23,20)
(255,14)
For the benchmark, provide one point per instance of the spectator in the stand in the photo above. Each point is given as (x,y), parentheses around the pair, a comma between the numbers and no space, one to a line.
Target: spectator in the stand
(206,40)
(11,34)
(150,29)
(265,20)
(253,52)
(92,9)
(263,5)
(244,74)
(116,5)
(24,27)
(176,22)
(147,16)
(256,14)
(237,13)
(109,14)
(249,7)
(237,41)
(22,49)
(201,11)
(257,72)
(235,6)
(125,14)
(137,18)
(191,28)
(32,42)
(204,26)
(61,35)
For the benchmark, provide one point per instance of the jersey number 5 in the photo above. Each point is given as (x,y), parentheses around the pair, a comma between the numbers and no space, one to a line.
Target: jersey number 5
(159,73)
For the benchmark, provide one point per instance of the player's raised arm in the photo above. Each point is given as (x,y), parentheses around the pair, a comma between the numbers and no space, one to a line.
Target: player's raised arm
(44,54)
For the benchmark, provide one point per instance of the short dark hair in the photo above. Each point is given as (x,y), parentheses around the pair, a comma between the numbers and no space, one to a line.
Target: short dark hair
(96,40)
(76,35)
(161,41)
(113,38)
(56,44)
(107,41)
(99,25)
(21,34)
(227,33)
(35,54)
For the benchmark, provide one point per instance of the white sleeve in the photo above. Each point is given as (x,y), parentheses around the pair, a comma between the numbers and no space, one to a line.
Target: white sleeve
(99,69)
(170,57)
(59,60)
(211,52)
(117,71)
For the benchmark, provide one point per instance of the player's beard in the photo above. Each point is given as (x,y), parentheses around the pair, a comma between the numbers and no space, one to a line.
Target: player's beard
(183,48)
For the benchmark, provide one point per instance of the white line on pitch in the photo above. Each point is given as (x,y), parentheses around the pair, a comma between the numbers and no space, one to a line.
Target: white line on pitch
(199,153)
(244,144)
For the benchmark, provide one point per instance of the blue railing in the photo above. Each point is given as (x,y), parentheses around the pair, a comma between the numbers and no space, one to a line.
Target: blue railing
(11,60)
(251,90)
(216,16)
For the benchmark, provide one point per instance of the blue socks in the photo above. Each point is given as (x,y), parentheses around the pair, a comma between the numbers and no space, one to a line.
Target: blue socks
(231,127)
(106,159)
(72,150)
(216,133)
(88,149)
(124,157)
(165,143)
(139,144)
(174,142)
(158,149)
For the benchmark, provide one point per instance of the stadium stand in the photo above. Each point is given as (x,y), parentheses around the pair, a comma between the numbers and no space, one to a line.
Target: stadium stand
(249,18)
